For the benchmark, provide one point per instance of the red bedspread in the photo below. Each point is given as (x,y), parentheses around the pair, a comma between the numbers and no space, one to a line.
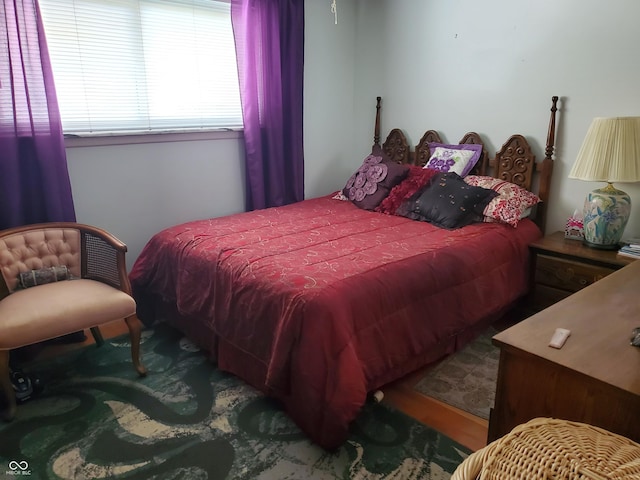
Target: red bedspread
(319,302)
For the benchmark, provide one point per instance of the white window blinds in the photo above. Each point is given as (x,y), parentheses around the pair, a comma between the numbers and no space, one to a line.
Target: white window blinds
(143,65)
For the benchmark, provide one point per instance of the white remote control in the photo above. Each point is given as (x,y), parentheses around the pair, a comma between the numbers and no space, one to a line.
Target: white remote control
(559,337)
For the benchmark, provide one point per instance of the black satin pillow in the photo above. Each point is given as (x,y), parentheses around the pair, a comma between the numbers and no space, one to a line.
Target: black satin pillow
(448,202)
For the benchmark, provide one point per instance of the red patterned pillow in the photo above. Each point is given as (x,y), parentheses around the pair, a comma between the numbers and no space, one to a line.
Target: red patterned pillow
(417,178)
(510,205)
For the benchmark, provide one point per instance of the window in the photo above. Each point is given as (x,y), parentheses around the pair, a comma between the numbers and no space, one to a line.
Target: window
(143,65)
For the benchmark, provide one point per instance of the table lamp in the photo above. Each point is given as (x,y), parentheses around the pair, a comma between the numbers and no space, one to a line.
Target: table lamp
(610,153)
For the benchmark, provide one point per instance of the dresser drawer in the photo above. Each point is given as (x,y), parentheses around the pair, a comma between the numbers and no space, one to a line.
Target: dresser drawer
(566,274)
(543,296)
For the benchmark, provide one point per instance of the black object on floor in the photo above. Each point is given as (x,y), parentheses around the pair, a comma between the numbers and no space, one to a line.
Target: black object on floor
(75,337)
(25,386)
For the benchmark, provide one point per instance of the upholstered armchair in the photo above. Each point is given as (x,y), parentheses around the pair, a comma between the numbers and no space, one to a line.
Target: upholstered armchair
(60,278)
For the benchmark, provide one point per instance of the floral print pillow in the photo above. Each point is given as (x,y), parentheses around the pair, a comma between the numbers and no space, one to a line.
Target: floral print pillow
(512,203)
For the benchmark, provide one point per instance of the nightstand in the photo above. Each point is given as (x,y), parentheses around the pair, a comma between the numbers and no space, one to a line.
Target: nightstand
(560,267)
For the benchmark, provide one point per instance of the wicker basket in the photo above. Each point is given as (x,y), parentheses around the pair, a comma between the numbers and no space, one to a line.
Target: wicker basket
(545,448)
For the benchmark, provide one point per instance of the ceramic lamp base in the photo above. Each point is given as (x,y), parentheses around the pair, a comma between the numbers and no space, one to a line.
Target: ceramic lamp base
(606,213)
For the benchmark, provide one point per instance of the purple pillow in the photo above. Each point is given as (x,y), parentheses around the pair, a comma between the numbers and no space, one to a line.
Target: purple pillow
(454,158)
(371,183)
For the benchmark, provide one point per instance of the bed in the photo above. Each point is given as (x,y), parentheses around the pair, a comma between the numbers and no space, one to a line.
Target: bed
(319,303)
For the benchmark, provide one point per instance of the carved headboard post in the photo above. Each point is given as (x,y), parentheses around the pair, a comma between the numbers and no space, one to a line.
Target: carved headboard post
(395,146)
(376,131)
(546,167)
(551,135)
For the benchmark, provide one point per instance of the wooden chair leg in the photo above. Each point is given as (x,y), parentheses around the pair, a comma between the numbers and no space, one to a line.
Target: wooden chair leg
(6,388)
(97,336)
(135,329)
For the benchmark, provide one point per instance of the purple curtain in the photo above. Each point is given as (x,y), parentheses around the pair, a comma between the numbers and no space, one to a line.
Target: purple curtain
(34,180)
(269,37)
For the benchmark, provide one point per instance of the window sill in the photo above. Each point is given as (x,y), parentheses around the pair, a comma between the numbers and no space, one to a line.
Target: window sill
(98,140)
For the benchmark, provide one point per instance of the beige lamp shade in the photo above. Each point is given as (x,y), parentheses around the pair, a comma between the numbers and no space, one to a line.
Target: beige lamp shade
(610,151)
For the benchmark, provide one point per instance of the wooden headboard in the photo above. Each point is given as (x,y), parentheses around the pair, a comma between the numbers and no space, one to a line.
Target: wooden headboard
(514,162)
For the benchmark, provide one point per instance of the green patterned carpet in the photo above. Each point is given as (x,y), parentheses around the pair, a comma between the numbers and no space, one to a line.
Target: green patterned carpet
(187,420)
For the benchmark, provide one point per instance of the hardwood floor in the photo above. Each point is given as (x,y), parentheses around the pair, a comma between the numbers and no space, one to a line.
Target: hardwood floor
(464,428)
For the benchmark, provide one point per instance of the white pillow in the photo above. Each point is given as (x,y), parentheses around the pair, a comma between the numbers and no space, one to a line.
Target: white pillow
(451,160)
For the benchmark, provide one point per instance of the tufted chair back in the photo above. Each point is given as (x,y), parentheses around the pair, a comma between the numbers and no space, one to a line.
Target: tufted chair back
(36,249)
(81,248)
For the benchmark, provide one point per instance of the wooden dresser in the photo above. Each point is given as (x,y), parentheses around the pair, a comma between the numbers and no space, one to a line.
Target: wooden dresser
(594,378)
(561,267)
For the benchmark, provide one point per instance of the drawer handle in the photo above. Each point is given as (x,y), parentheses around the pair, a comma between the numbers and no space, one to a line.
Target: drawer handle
(583,281)
(564,275)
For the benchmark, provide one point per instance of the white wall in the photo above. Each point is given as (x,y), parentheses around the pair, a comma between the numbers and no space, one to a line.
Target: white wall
(329,102)
(134,191)
(492,67)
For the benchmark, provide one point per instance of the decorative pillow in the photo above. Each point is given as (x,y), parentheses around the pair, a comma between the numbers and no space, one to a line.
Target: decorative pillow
(371,183)
(512,204)
(417,178)
(42,276)
(448,202)
(340,196)
(454,158)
